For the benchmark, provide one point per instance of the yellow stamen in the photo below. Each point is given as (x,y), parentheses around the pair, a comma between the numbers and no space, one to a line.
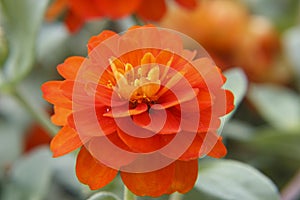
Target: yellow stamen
(143,83)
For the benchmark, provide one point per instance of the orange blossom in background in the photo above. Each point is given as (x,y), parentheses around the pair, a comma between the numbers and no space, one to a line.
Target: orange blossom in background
(79,11)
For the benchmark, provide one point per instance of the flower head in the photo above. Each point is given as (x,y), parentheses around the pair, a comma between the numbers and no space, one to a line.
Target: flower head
(79,11)
(233,37)
(141,105)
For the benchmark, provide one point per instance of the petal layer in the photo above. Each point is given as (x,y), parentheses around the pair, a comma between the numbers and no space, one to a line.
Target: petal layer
(153,184)
(53,94)
(65,141)
(91,172)
(186,173)
(152,10)
(70,67)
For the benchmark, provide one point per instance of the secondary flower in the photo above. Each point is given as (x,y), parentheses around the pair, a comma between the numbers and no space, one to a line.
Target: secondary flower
(79,11)
(140,105)
(35,137)
(233,37)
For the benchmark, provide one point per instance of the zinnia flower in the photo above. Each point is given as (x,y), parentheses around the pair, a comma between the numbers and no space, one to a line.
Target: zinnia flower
(35,137)
(79,11)
(142,106)
(233,37)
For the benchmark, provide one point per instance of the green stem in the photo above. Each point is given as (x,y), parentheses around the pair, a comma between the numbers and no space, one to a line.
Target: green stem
(137,20)
(128,195)
(36,112)
(176,196)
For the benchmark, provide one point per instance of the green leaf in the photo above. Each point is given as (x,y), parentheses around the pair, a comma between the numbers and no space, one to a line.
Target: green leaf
(237,83)
(30,176)
(281,13)
(291,44)
(64,173)
(104,196)
(228,179)
(3,47)
(278,143)
(10,144)
(22,23)
(52,45)
(239,130)
(278,105)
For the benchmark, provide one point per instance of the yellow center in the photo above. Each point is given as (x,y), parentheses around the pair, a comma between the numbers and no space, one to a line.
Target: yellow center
(141,84)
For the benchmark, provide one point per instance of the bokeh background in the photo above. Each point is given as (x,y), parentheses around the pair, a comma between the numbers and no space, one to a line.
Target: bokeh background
(255,42)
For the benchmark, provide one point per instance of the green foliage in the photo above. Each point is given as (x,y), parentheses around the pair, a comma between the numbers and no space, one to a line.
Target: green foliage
(35,168)
(274,142)
(3,47)
(22,21)
(278,105)
(104,196)
(237,83)
(228,179)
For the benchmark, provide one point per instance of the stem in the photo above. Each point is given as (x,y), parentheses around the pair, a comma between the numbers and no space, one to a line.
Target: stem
(176,196)
(292,190)
(36,112)
(128,195)
(137,20)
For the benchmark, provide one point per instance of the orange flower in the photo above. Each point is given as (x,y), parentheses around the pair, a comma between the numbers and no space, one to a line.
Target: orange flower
(36,136)
(233,37)
(140,105)
(79,11)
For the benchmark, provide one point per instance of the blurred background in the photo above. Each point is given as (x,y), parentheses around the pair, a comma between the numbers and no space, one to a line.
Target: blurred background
(259,37)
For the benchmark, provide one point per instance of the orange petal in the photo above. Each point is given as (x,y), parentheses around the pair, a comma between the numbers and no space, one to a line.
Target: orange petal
(219,150)
(65,141)
(107,124)
(142,119)
(96,40)
(86,10)
(53,94)
(203,73)
(123,111)
(206,120)
(152,10)
(204,144)
(92,122)
(34,137)
(111,150)
(117,8)
(223,102)
(169,99)
(73,21)
(204,101)
(138,26)
(60,116)
(186,173)
(55,9)
(152,121)
(91,172)
(144,144)
(172,123)
(70,67)
(229,101)
(190,4)
(76,92)
(193,152)
(152,184)
(104,96)
(84,95)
